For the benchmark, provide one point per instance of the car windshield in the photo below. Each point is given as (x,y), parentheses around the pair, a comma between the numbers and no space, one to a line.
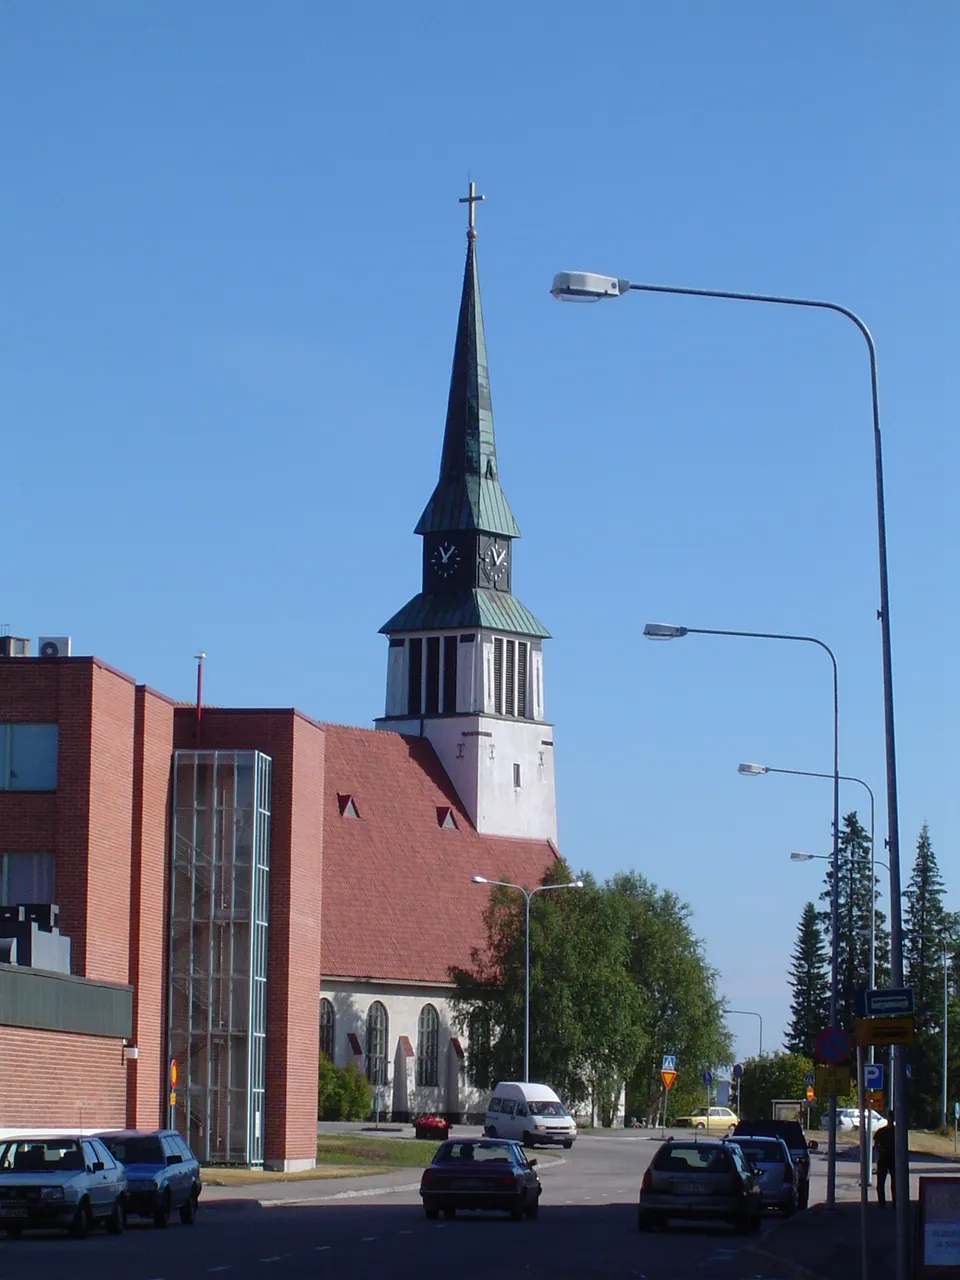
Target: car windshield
(475,1153)
(42,1155)
(547,1109)
(137,1150)
(693,1159)
(761,1152)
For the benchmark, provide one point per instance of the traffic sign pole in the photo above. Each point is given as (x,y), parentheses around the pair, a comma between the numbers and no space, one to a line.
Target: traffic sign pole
(865,1145)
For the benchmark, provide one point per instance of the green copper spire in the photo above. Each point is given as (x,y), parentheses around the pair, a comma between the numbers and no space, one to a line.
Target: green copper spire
(468,493)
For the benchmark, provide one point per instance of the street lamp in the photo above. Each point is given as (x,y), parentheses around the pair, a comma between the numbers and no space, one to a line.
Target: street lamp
(528,894)
(584,286)
(750,1013)
(668,631)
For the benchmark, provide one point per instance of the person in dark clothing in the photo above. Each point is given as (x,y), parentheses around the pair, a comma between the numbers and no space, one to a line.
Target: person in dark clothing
(883,1141)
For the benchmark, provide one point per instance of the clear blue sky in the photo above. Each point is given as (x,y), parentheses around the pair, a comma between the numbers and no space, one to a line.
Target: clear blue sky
(231,267)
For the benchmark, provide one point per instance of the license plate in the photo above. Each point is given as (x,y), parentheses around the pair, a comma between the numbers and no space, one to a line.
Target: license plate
(470,1184)
(14,1211)
(692,1188)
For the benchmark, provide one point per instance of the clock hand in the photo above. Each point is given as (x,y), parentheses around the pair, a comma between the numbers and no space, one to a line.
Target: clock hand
(500,558)
(446,557)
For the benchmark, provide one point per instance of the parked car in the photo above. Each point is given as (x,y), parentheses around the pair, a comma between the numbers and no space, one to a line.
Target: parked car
(163,1174)
(481,1173)
(849,1118)
(718,1119)
(791,1131)
(770,1159)
(695,1179)
(529,1113)
(70,1182)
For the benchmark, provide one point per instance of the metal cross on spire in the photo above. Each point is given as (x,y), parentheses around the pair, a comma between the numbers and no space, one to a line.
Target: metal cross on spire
(471,201)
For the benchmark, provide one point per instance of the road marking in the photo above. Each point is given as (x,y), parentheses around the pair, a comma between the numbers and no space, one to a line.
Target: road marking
(339,1195)
(406,1233)
(276,1257)
(226,1267)
(319,1248)
(367,1239)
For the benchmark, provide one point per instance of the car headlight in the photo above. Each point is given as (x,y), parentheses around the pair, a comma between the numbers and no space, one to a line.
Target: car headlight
(51,1193)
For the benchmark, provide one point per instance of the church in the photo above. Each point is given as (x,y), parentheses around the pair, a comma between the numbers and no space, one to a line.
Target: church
(196,901)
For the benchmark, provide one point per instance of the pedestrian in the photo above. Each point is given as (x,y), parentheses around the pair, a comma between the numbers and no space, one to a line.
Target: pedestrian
(883,1143)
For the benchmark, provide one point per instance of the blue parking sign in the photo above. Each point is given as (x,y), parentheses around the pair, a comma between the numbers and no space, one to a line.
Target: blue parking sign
(873,1075)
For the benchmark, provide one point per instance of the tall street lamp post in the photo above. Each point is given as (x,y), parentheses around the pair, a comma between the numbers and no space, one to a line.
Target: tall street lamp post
(528,894)
(667,631)
(750,1013)
(945,1015)
(583,286)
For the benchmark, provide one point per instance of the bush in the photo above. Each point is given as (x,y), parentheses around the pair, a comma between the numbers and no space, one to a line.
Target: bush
(342,1092)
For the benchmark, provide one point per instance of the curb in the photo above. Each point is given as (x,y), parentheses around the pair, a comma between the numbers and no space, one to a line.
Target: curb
(795,1270)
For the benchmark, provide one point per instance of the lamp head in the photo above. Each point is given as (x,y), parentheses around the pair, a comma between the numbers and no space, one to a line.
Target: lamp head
(479,879)
(586,286)
(751,770)
(578,884)
(802,857)
(663,631)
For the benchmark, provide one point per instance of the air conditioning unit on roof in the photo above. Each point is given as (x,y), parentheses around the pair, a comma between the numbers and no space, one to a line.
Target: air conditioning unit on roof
(54,647)
(14,647)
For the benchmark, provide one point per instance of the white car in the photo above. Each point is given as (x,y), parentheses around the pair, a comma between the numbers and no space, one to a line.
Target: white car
(849,1118)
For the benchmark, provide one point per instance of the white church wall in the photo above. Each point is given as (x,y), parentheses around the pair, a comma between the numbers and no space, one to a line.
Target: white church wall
(453,1095)
(530,810)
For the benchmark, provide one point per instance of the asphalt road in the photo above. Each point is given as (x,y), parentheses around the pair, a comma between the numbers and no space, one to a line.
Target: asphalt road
(374,1227)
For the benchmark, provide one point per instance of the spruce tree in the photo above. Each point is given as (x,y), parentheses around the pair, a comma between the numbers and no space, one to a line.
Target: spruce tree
(857,896)
(925,928)
(810,983)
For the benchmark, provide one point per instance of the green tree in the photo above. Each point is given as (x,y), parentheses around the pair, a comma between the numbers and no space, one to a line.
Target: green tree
(856,898)
(342,1092)
(775,1075)
(926,925)
(810,983)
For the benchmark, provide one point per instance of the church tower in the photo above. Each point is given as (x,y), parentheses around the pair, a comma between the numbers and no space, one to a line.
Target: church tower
(465,659)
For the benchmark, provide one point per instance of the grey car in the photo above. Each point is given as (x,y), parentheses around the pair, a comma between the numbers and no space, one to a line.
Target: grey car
(770,1158)
(700,1180)
(71,1182)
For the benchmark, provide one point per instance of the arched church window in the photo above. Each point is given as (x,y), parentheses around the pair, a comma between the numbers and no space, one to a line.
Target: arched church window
(428,1046)
(328,1023)
(377,1039)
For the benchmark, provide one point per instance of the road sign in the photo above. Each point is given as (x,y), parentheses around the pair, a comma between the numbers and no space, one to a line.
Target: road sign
(737,1071)
(873,1075)
(173,1073)
(956,1111)
(832,1082)
(832,1045)
(889,1003)
(669,1062)
(884,1031)
(808,1077)
(873,1098)
(173,1097)
(707,1078)
(668,1078)
(810,1094)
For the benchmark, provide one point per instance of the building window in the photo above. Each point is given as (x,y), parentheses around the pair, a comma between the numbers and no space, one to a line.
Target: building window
(432,705)
(510,680)
(415,678)
(522,650)
(516,776)
(377,1027)
(28,757)
(327,1028)
(428,1047)
(450,649)
(25,877)
(498,675)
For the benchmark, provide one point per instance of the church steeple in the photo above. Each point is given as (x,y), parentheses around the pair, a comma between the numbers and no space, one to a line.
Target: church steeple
(468,494)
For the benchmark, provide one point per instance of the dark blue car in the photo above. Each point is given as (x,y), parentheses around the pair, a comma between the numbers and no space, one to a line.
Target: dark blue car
(163,1174)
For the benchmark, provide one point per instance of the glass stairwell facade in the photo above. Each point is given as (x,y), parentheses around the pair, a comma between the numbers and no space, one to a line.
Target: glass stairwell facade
(220,866)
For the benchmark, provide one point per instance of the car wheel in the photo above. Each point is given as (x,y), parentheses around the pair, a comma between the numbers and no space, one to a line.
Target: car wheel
(567,1144)
(644,1221)
(450,1211)
(15,1232)
(490,1131)
(188,1211)
(804,1196)
(533,1209)
(431,1213)
(527,1139)
(117,1220)
(80,1222)
(520,1208)
(162,1215)
(701,1126)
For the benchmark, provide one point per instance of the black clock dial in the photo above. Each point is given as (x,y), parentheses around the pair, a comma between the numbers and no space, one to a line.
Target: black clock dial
(445,559)
(495,560)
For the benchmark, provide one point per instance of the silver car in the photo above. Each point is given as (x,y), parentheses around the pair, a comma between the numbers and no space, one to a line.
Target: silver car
(770,1159)
(71,1182)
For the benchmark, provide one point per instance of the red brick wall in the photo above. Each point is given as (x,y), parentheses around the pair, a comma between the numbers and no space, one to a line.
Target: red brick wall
(153,744)
(295,744)
(52,1078)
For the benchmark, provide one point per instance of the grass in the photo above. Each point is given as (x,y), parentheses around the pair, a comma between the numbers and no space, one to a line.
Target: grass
(338,1156)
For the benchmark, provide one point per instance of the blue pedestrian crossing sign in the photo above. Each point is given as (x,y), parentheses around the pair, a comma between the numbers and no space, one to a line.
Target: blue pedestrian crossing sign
(707,1077)
(873,1075)
(809,1077)
(669,1062)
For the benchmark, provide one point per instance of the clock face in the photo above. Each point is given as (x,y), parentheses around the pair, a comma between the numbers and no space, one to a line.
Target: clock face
(494,560)
(445,559)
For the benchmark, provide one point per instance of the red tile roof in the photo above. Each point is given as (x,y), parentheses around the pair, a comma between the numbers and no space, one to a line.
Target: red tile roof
(397,898)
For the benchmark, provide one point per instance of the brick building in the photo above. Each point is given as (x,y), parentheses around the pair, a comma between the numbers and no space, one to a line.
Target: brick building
(242,887)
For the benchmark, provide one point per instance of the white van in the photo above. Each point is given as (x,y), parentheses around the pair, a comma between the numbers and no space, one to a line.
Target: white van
(530,1113)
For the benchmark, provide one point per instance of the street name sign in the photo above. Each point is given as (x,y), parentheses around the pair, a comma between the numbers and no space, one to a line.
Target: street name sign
(832,1082)
(668,1078)
(890,1003)
(884,1031)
